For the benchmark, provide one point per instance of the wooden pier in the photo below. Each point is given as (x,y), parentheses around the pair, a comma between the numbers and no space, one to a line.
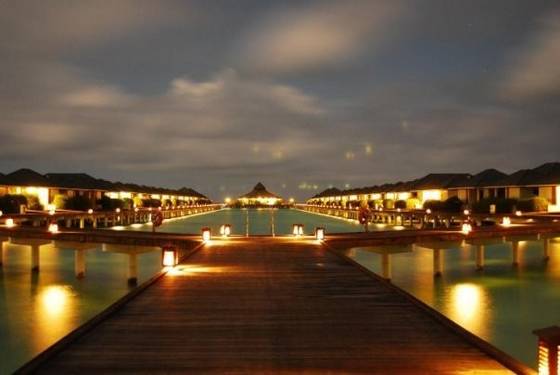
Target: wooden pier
(269,305)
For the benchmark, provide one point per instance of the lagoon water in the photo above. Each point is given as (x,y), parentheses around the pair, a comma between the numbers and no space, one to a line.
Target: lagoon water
(502,304)
(37,309)
(260,222)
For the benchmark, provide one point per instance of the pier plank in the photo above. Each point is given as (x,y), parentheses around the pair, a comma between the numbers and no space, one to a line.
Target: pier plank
(270,306)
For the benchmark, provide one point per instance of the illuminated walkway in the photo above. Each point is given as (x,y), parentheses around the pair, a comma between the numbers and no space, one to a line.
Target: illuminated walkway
(268,306)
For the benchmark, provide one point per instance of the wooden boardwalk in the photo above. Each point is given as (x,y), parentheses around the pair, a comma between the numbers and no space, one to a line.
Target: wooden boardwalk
(270,306)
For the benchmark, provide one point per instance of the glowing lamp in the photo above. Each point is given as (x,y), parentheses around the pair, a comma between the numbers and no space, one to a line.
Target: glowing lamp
(1,213)
(466,228)
(548,350)
(10,223)
(117,210)
(319,233)
(53,228)
(90,211)
(398,210)
(159,208)
(169,256)
(428,211)
(206,234)
(225,230)
(518,213)
(135,209)
(149,208)
(466,212)
(52,212)
(506,221)
(297,230)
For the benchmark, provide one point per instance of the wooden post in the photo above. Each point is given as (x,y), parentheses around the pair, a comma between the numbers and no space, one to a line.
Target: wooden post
(272,222)
(105,221)
(82,223)
(2,240)
(386,265)
(80,263)
(68,223)
(94,222)
(132,268)
(515,253)
(479,257)
(546,248)
(438,266)
(247,223)
(35,258)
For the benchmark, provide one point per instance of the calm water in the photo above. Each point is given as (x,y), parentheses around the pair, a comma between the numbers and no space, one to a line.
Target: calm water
(259,222)
(501,304)
(37,309)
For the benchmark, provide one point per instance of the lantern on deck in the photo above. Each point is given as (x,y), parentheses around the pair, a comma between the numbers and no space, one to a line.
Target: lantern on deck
(297,230)
(206,234)
(169,256)
(53,228)
(225,230)
(548,350)
(506,221)
(10,223)
(319,233)
(466,228)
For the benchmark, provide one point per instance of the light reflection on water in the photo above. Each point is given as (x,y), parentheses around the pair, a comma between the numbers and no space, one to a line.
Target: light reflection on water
(502,304)
(37,309)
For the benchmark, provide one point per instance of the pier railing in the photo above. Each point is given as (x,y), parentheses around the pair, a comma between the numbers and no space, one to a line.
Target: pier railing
(101,219)
(422,219)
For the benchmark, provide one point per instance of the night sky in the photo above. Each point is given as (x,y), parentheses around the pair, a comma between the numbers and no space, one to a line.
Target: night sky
(301,95)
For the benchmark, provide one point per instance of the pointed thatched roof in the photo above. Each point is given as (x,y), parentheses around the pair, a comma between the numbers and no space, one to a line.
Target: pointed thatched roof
(259,191)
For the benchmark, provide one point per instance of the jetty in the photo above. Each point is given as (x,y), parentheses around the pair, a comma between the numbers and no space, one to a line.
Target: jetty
(270,305)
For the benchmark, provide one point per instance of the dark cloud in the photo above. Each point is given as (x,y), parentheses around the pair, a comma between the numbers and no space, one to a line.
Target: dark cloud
(301,95)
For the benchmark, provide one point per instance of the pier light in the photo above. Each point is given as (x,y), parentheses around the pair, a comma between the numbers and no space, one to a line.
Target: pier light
(206,234)
(518,213)
(53,228)
(1,213)
(227,200)
(136,209)
(225,230)
(428,211)
(169,256)
(90,211)
(297,230)
(10,223)
(117,210)
(466,212)
(548,350)
(159,208)
(319,233)
(506,221)
(466,228)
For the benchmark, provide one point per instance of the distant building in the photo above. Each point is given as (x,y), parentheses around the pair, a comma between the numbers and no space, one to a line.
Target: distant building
(542,182)
(259,196)
(46,188)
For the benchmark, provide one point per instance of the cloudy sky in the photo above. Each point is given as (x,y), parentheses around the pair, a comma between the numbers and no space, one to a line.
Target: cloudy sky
(300,95)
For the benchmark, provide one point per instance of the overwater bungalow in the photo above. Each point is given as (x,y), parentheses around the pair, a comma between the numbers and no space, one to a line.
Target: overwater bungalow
(52,190)
(541,183)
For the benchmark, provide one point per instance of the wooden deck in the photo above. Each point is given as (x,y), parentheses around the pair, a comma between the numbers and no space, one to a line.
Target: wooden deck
(270,306)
